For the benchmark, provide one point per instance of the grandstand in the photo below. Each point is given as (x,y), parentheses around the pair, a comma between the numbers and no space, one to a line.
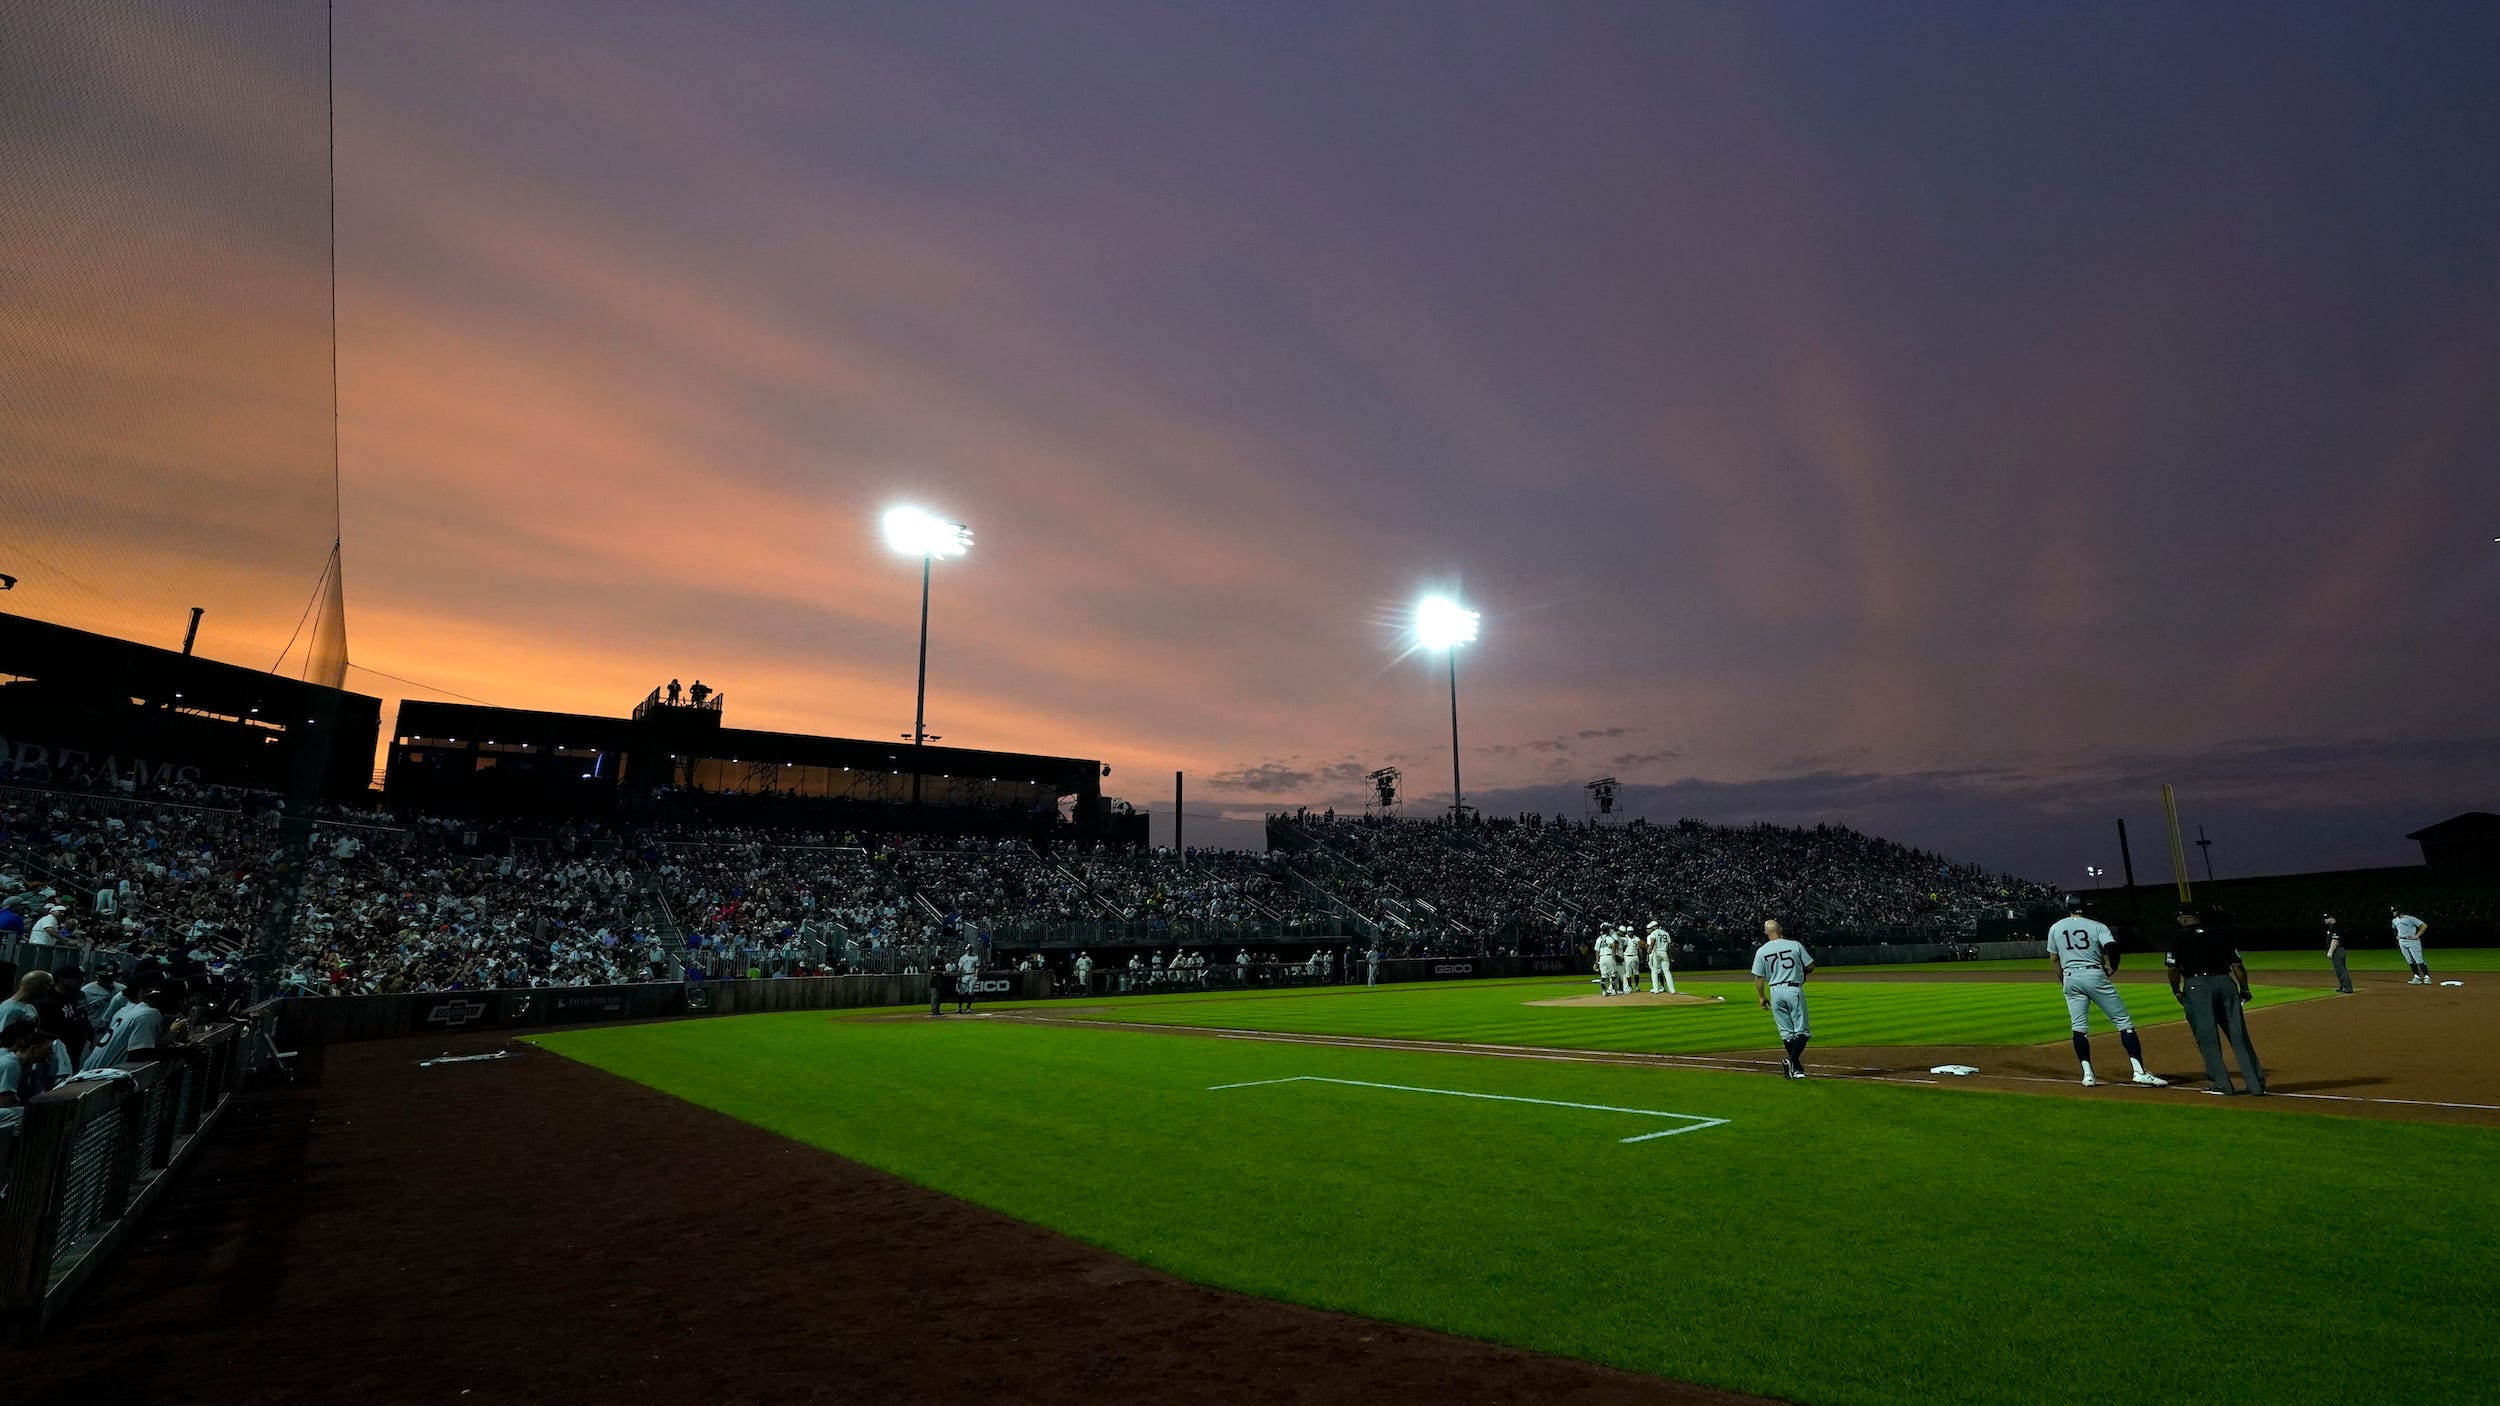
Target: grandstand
(1529,879)
(181,870)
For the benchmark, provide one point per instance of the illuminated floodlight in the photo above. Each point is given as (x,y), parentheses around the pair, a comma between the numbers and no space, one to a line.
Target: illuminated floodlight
(918,534)
(1442,623)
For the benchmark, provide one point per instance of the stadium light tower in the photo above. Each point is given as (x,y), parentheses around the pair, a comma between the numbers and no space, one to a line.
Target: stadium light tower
(918,534)
(1444,624)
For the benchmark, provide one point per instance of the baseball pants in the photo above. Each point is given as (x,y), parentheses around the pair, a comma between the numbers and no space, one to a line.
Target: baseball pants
(2343,974)
(1788,1012)
(2213,1013)
(2086,989)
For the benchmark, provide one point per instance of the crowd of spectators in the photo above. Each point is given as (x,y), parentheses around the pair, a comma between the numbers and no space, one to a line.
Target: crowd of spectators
(1164,888)
(398,910)
(187,875)
(1510,876)
(382,908)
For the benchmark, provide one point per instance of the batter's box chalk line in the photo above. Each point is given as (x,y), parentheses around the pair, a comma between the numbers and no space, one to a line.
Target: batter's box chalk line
(1692,1122)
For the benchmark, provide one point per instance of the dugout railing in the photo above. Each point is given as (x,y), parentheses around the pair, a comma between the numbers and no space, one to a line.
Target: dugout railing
(82,1162)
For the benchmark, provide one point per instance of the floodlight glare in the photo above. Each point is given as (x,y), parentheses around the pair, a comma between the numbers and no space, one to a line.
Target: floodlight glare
(917,534)
(1441,623)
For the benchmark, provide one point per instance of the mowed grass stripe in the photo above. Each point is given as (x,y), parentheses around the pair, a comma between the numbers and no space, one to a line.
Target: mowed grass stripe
(1833,1243)
(1499,1013)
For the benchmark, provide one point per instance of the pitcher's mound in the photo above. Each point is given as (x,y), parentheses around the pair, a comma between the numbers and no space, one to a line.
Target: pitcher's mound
(1637,998)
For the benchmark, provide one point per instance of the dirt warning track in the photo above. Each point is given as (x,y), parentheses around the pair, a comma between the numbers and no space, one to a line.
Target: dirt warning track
(531,1230)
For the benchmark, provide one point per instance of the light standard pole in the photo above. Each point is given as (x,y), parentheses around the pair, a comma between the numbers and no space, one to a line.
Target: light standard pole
(920,693)
(1442,623)
(915,533)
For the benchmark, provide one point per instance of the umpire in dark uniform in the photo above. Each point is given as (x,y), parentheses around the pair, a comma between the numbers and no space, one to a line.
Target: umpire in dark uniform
(2207,976)
(2335,957)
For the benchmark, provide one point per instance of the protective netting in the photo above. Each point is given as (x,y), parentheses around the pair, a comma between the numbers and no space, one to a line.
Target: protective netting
(166,411)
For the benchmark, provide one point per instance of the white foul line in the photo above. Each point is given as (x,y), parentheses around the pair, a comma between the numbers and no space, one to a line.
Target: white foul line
(1694,1121)
(1719,1063)
(2413,1102)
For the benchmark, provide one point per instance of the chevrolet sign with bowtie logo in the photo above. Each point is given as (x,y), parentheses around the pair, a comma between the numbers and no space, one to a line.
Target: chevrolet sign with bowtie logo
(454,1012)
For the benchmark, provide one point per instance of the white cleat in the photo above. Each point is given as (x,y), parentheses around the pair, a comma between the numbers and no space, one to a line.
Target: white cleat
(2152,1081)
(2089,1082)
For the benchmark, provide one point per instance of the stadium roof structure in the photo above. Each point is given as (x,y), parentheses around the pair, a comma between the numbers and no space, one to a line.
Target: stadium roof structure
(2467,843)
(2455,827)
(72,698)
(447,756)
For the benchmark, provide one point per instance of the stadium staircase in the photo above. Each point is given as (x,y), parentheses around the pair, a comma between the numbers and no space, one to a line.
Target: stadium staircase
(1102,901)
(18,862)
(1069,877)
(652,911)
(1309,843)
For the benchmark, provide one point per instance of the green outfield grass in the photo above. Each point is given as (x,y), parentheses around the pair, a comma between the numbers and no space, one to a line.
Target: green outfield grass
(1497,1013)
(2462,959)
(1830,1243)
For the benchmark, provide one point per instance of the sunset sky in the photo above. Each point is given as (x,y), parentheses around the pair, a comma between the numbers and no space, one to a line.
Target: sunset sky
(1952,420)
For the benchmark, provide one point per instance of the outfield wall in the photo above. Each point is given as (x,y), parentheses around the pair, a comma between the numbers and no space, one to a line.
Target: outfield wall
(314,1021)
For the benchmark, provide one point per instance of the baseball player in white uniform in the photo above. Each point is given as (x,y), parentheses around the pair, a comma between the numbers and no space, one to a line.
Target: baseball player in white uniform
(1618,962)
(2409,930)
(2086,953)
(1780,967)
(1660,973)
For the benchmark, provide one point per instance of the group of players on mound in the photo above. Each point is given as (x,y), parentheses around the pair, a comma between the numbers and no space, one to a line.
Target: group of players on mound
(1621,954)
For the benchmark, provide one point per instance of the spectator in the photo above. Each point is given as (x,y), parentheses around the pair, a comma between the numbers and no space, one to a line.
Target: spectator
(139,1026)
(99,998)
(28,1064)
(34,991)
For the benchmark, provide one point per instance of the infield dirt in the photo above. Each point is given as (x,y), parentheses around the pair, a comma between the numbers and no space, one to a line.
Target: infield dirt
(1633,998)
(2427,1054)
